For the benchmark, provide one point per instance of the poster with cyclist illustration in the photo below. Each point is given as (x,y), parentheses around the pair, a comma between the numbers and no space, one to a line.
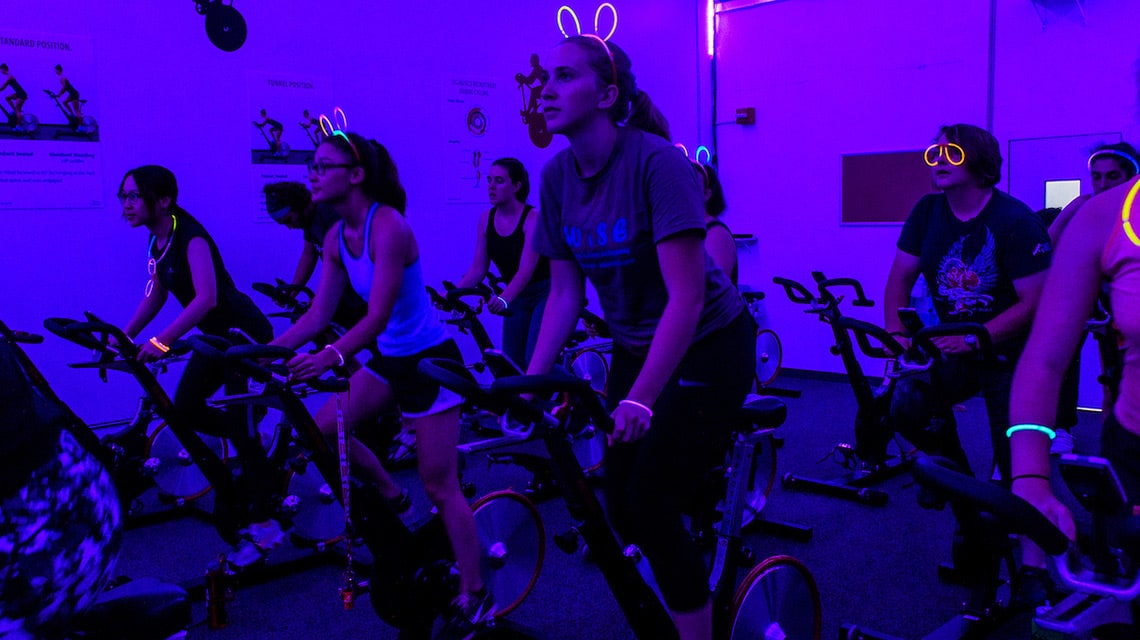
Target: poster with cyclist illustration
(283,112)
(284,109)
(474,137)
(49,127)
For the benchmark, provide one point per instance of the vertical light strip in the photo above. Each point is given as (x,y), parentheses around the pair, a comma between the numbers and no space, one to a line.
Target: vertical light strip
(710,26)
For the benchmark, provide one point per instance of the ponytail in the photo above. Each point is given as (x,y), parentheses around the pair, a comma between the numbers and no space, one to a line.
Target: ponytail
(645,115)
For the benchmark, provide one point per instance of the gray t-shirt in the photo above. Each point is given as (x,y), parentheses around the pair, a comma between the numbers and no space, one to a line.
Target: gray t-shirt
(610,223)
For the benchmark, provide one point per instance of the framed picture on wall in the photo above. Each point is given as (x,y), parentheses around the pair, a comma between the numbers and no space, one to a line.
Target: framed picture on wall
(882,188)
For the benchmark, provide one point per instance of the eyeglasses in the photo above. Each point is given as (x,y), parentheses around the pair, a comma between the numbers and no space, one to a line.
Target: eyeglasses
(129,197)
(320,168)
(955,154)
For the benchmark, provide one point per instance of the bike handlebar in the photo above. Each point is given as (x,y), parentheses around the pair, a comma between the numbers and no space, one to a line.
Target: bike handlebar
(826,284)
(795,291)
(1015,514)
(863,331)
(82,334)
(20,336)
(985,342)
(506,393)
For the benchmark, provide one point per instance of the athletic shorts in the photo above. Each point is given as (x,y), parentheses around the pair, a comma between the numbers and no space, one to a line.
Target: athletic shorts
(417,395)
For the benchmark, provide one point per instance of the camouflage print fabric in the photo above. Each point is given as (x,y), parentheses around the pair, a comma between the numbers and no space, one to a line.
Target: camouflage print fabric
(59,539)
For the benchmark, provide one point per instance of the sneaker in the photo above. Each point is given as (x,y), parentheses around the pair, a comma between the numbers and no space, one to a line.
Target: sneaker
(257,541)
(1062,444)
(470,612)
(266,535)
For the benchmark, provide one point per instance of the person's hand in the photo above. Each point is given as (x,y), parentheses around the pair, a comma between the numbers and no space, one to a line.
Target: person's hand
(631,423)
(311,365)
(952,344)
(497,305)
(149,353)
(1039,493)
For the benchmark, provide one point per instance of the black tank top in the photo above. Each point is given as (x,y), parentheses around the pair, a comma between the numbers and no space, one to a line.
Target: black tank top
(506,251)
(735,268)
(234,309)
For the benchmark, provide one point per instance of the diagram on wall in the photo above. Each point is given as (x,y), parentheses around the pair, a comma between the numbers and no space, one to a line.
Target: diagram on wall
(284,109)
(473,136)
(49,128)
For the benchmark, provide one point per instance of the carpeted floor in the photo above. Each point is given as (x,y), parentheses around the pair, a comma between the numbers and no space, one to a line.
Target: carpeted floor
(875,566)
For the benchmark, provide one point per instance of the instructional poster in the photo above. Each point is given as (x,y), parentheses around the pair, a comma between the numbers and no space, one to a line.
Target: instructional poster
(474,138)
(284,112)
(49,122)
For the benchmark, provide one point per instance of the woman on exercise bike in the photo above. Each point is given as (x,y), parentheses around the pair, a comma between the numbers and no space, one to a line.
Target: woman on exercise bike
(718,241)
(374,252)
(624,209)
(65,86)
(1099,254)
(276,129)
(18,96)
(1110,165)
(505,236)
(183,260)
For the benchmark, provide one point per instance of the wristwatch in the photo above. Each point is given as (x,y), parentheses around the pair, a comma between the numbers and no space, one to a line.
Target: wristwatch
(971,341)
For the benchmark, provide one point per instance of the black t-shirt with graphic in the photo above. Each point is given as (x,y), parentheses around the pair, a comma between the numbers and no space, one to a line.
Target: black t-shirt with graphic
(970,266)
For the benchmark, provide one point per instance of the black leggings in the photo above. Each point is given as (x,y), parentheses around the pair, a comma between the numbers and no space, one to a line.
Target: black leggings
(650,483)
(202,377)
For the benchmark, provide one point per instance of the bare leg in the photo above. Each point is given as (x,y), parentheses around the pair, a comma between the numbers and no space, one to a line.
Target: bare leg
(436,438)
(367,397)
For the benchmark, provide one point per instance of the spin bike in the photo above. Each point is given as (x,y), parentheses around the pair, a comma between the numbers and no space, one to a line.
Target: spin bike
(273,150)
(77,126)
(294,300)
(140,454)
(777,597)
(26,128)
(1100,571)
(412,573)
(464,316)
(867,460)
(588,447)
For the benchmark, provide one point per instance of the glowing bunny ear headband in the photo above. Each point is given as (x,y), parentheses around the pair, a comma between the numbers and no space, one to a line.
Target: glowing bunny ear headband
(707,158)
(597,20)
(336,127)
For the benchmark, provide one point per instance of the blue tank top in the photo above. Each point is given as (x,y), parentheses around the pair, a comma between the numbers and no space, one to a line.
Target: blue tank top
(412,327)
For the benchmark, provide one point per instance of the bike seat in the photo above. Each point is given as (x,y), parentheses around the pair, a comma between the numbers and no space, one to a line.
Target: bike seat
(761,412)
(143,608)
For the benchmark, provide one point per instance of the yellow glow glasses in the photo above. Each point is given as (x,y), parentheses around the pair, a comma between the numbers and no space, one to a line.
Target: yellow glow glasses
(955,154)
